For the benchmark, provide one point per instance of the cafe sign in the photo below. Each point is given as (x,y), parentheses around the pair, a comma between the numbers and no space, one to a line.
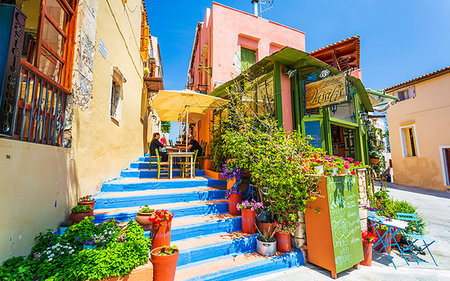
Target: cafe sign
(327,91)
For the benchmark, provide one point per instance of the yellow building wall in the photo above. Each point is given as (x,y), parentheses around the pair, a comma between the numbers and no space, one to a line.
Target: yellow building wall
(103,147)
(37,186)
(429,111)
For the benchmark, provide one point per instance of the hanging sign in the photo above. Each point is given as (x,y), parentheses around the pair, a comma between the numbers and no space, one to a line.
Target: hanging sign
(327,91)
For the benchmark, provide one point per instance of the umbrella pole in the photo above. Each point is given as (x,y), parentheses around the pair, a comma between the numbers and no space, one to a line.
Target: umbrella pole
(187,125)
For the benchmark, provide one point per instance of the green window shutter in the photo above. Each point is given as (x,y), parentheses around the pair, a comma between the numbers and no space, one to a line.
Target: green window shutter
(248,58)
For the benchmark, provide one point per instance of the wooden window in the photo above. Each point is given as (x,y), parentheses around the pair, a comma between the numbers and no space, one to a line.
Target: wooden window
(409,141)
(115,107)
(248,58)
(406,94)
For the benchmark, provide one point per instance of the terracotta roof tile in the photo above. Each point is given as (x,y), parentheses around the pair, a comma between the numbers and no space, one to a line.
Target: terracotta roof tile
(420,78)
(335,44)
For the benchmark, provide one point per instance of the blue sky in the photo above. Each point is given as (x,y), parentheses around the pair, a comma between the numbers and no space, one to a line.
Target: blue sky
(400,39)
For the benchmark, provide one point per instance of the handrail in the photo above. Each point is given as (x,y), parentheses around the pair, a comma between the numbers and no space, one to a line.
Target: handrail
(34,69)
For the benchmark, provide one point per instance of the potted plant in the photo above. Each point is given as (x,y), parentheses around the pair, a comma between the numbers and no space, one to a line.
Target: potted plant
(264,220)
(266,244)
(249,215)
(160,229)
(87,200)
(164,260)
(284,230)
(143,215)
(368,240)
(381,231)
(234,198)
(79,212)
(231,173)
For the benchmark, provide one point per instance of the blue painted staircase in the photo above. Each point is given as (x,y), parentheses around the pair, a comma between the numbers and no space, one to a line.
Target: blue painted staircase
(212,246)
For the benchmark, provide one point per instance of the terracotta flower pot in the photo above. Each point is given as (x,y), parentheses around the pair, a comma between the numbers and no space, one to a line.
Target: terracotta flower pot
(233,200)
(160,234)
(283,242)
(143,220)
(88,203)
(230,183)
(367,247)
(387,240)
(248,221)
(164,267)
(77,217)
(374,161)
(265,227)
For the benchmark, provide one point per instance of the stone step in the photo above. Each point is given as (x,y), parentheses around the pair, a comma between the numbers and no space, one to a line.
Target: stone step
(213,246)
(238,266)
(146,173)
(196,226)
(133,184)
(180,209)
(107,200)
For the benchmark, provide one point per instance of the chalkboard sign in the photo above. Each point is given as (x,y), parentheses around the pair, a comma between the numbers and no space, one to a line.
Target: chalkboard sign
(312,128)
(345,223)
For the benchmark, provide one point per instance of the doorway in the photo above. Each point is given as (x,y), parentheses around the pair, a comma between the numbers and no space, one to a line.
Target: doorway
(445,152)
(343,141)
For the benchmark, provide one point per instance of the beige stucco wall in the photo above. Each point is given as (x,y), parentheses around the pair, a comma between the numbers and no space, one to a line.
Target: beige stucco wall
(37,190)
(102,146)
(40,183)
(430,111)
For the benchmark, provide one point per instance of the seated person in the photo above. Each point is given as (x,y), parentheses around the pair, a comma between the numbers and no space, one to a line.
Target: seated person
(193,146)
(156,144)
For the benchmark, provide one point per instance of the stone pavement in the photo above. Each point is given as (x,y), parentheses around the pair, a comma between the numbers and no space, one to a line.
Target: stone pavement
(434,207)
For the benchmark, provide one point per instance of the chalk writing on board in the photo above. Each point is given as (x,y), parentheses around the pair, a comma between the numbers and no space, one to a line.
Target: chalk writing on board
(345,223)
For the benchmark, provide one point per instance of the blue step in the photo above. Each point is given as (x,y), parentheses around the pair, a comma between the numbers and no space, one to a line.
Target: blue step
(204,228)
(196,210)
(105,202)
(262,267)
(121,184)
(139,165)
(236,246)
(136,173)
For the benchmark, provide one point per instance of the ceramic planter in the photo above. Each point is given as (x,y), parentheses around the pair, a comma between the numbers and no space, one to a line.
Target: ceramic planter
(374,161)
(248,221)
(265,227)
(283,242)
(387,239)
(77,217)
(160,234)
(367,247)
(164,267)
(266,248)
(233,200)
(88,203)
(143,220)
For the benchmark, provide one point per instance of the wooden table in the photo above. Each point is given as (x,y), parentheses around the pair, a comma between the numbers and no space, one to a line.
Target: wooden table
(189,155)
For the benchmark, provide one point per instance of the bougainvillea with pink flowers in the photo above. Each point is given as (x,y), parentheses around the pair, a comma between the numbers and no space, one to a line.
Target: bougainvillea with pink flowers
(285,227)
(252,205)
(334,164)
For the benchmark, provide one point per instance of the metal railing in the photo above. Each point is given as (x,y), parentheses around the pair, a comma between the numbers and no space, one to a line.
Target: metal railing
(39,112)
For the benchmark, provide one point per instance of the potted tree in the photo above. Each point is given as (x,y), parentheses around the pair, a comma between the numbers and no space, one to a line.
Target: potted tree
(249,215)
(284,231)
(368,240)
(79,212)
(164,260)
(87,200)
(143,216)
(160,229)
(266,244)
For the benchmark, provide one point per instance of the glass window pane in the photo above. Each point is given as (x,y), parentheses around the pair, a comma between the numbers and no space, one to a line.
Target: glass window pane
(56,12)
(53,38)
(50,66)
(344,111)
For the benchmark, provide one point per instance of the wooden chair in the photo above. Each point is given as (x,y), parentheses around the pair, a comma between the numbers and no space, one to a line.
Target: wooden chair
(202,156)
(163,167)
(153,159)
(186,167)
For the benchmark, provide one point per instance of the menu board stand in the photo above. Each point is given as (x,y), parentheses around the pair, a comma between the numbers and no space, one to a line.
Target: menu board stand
(333,229)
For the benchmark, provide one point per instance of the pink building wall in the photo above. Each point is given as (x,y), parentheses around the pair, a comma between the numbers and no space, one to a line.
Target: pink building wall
(220,38)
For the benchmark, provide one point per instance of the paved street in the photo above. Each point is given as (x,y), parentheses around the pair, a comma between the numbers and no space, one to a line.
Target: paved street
(434,206)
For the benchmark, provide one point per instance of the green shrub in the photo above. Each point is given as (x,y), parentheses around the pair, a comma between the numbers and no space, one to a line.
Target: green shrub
(81,208)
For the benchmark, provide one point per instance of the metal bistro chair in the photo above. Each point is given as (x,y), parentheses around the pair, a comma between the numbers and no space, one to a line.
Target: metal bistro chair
(415,241)
(153,160)
(186,167)
(163,167)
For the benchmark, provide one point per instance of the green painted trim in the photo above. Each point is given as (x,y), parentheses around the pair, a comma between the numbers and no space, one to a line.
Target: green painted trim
(327,130)
(296,119)
(343,123)
(381,94)
(277,94)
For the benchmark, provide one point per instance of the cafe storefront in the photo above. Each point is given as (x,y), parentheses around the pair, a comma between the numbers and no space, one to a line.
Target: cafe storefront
(309,95)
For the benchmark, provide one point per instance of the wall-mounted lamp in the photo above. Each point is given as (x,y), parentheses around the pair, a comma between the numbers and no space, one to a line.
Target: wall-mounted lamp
(333,108)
